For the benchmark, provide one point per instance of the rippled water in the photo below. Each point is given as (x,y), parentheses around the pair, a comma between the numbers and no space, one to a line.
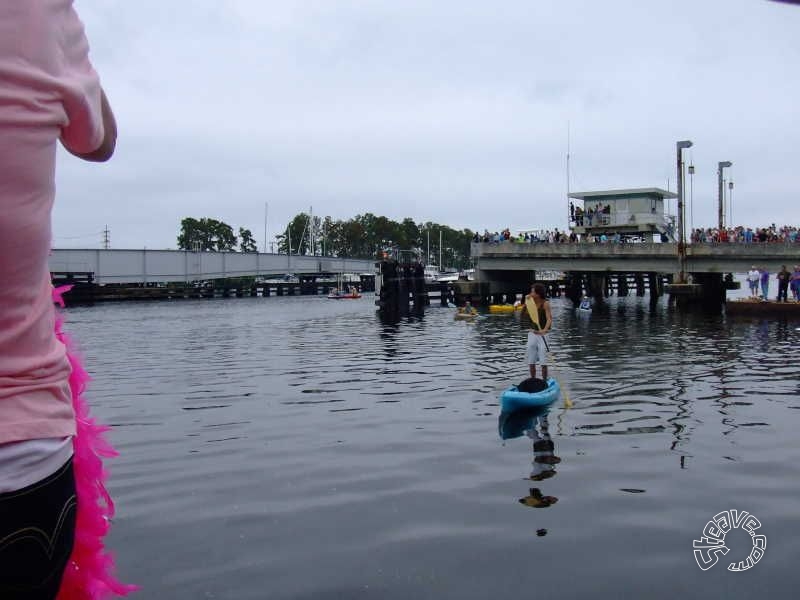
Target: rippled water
(298,448)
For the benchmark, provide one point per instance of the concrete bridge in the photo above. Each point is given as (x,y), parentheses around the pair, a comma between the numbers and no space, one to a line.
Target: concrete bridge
(507,267)
(647,257)
(166,266)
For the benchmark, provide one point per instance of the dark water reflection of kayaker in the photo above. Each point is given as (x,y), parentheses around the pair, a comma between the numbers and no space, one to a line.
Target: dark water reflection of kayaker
(544,458)
(534,424)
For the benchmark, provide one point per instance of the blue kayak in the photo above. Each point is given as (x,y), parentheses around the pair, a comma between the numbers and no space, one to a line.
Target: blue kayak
(512,399)
(515,423)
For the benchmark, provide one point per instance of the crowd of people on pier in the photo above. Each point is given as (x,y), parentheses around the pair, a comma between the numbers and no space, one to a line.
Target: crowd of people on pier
(525,237)
(596,214)
(554,236)
(787,234)
(758,281)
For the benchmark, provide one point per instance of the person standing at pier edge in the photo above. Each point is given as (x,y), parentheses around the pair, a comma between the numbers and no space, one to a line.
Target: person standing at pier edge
(536,311)
(795,283)
(50,480)
(783,278)
(752,279)
(764,284)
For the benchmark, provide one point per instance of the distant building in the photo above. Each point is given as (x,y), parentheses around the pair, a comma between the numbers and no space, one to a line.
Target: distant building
(631,212)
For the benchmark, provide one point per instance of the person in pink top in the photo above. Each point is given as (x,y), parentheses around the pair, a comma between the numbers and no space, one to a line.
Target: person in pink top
(49,93)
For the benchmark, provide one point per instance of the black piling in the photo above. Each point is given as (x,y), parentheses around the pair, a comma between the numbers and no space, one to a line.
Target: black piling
(622,284)
(639,279)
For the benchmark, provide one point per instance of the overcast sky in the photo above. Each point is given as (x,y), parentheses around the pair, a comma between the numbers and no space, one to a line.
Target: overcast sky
(451,112)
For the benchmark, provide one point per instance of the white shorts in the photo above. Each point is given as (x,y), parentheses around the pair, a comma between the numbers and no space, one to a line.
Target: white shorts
(536,349)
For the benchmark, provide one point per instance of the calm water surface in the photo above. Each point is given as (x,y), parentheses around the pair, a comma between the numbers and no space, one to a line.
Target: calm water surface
(298,448)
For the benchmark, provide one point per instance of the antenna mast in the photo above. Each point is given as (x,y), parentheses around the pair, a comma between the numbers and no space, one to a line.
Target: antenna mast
(568,172)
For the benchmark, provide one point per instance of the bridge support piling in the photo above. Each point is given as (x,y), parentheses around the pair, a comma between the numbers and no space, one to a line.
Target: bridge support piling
(656,287)
(639,279)
(401,285)
(574,287)
(622,284)
(597,284)
(713,290)
(420,292)
(706,291)
(443,295)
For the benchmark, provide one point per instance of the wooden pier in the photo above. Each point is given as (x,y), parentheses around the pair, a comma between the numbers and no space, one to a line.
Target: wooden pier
(84,289)
(763,308)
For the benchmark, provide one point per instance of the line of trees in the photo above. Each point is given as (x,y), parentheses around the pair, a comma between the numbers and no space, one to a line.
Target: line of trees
(364,236)
(201,235)
(368,235)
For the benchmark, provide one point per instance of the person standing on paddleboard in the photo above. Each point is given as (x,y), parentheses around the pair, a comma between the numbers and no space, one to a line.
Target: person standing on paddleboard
(536,311)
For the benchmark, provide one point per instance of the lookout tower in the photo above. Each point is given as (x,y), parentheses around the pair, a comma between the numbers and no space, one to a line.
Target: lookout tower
(631,213)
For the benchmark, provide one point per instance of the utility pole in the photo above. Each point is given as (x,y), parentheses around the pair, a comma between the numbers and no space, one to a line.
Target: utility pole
(106,239)
(266,208)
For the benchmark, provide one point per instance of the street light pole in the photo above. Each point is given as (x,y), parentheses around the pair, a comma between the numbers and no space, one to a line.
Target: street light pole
(720,219)
(681,213)
(730,201)
(691,199)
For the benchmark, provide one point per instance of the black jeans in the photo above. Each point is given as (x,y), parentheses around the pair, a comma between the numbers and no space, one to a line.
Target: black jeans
(782,289)
(37,531)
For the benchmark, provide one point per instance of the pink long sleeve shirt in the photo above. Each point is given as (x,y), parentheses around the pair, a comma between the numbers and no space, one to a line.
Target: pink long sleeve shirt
(48,91)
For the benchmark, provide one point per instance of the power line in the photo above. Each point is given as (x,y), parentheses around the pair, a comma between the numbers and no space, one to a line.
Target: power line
(77,237)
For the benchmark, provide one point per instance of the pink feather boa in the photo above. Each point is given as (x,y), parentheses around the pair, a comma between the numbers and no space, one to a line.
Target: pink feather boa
(90,571)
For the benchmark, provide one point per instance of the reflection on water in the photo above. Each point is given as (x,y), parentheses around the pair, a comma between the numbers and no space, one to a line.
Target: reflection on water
(291,448)
(533,423)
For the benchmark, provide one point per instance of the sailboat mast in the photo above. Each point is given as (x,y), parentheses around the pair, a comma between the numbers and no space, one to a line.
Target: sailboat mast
(441,266)
(568,213)
(428,255)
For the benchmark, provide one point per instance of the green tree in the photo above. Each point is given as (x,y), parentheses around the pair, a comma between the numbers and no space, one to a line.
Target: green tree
(409,234)
(364,236)
(206,235)
(295,233)
(192,235)
(327,234)
(246,242)
(222,236)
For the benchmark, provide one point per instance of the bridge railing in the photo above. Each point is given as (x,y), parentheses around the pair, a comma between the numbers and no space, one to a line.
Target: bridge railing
(576,250)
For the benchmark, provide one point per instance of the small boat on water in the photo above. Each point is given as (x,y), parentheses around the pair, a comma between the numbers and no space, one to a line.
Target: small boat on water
(504,308)
(351,294)
(512,399)
(514,424)
(584,309)
(465,316)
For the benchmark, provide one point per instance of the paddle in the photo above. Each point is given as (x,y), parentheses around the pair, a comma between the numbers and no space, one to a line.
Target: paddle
(533,313)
